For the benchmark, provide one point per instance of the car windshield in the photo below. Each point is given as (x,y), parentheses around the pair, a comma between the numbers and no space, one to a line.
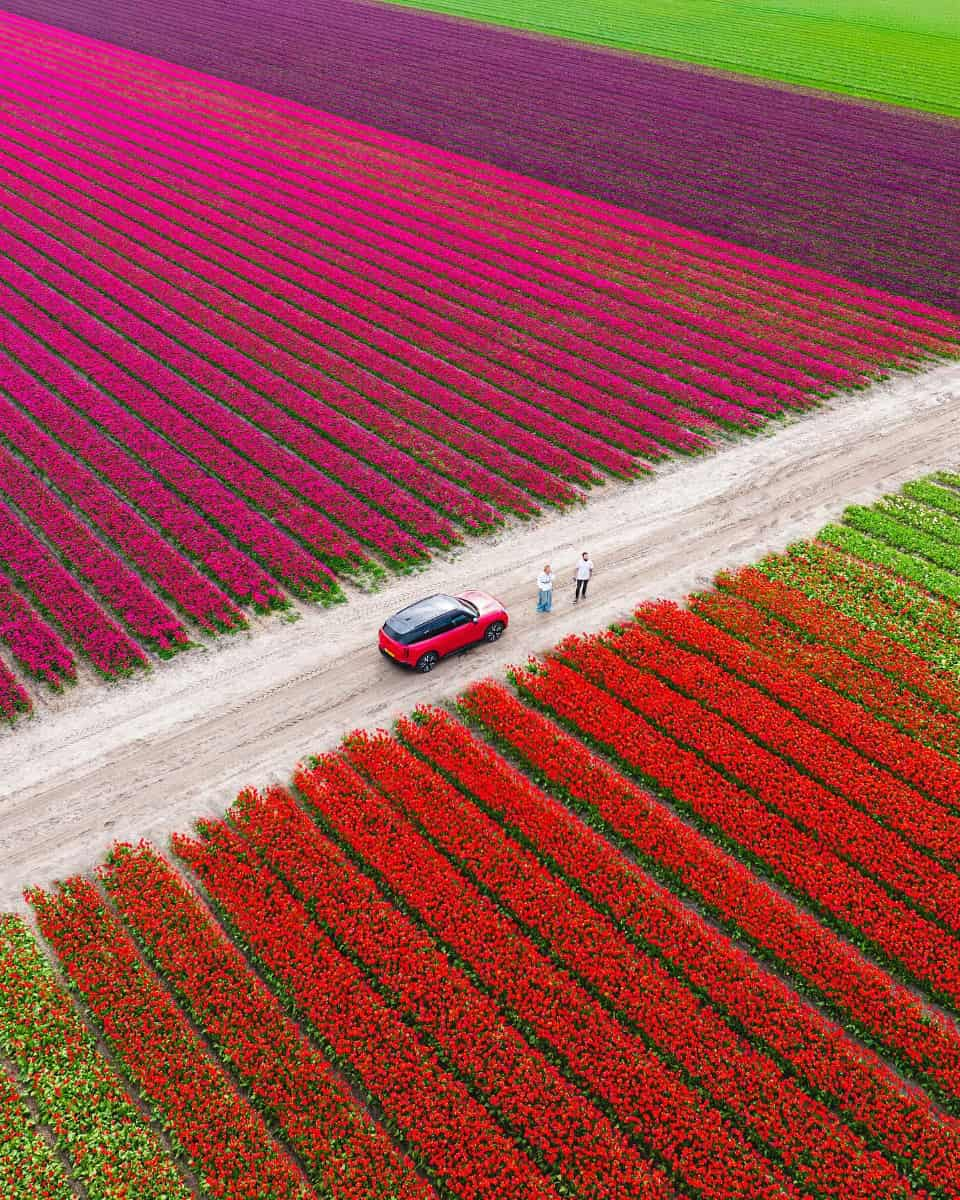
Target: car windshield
(471,608)
(412,624)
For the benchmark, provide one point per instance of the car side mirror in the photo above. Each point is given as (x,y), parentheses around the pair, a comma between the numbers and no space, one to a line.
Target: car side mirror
(475,619)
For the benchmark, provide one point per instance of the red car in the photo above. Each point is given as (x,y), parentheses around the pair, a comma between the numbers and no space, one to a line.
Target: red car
(421,634)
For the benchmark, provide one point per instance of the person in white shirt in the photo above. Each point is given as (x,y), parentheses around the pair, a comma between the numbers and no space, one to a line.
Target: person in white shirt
(582,576)
(545,592)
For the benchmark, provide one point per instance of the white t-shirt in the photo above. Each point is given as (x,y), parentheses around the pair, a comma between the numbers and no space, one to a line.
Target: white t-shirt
(584,568)
(545,581)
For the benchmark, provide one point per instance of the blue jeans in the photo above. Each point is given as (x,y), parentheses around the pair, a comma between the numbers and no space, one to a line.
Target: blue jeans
(545,599)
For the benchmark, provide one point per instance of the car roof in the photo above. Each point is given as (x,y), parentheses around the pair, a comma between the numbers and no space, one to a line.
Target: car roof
(415,615)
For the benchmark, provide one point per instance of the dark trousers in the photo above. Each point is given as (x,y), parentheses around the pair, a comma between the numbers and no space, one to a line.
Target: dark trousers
(581,589)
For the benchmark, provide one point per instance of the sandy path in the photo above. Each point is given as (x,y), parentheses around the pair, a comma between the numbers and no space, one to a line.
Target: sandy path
(146,758)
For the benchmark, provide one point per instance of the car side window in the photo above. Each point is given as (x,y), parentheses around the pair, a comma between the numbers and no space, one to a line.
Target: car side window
(460,618)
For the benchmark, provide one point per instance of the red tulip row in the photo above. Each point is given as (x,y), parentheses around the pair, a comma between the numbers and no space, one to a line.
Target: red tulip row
(109,1146)
(175,576)
(58,594)
(572,1139)
(32,642)
(766,809)
(344,1153)
(883,697)
(448,1133)
(731,1072)
(932,773)
(856,1084)
(675,1121)
(131,385)
(813,619)
(815,957)
(28,1167)
(877,599)
(116,584)
(133,479)
(224,1141)
(872,792)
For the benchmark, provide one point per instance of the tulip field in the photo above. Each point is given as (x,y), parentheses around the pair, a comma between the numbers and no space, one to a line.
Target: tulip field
(673,913)
(248,350)
(300,302)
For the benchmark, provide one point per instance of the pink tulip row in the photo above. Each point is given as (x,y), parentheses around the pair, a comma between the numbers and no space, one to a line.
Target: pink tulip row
(31,641)
(486,185)
(645,334)
(83,554)
(653,322)
(126,365)
(280,553)
(328,380)
(425,372)
(209,328)
(596,224)
(14,700)
(706,401)
(56,592)
(195,537)
(196,596)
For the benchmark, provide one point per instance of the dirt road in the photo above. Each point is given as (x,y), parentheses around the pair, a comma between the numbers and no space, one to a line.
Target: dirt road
(146,758)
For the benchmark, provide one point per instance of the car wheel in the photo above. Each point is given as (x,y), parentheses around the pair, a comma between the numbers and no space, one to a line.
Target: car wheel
(494,632)
(426,662)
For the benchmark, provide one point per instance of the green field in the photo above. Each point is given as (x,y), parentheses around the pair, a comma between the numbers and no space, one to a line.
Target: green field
(888,50)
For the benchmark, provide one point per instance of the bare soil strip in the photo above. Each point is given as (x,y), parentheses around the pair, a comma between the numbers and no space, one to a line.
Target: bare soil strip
(145,758)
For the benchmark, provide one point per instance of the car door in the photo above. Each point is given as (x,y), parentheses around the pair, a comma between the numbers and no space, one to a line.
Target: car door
(461,631)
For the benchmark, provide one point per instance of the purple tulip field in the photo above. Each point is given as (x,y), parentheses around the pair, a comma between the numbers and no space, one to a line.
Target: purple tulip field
(249,349)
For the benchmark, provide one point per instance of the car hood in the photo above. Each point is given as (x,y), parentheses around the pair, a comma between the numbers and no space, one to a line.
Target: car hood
(483,601)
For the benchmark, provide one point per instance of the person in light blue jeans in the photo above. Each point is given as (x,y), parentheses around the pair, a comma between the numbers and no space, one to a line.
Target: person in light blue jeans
(545,590)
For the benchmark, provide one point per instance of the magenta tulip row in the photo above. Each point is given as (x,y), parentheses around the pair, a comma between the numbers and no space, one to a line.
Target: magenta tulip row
(31,641)
(124,75)
(328,380)
(115,583)
(191,592)
(54,590)
(648,349)
(196,538)
(684,249)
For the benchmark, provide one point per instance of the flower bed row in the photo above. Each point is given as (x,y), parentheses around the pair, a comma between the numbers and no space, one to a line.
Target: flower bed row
(344,1153)
(28,1167)
(871,669)
(110,1148)
(888,1014)
(447,1132)
(753,693)
(573,1140)
(738,1080)
(173,573)
(644,1092)
(220,1136)
(809,1049)
(118,586)
(744,796)
(881,601)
